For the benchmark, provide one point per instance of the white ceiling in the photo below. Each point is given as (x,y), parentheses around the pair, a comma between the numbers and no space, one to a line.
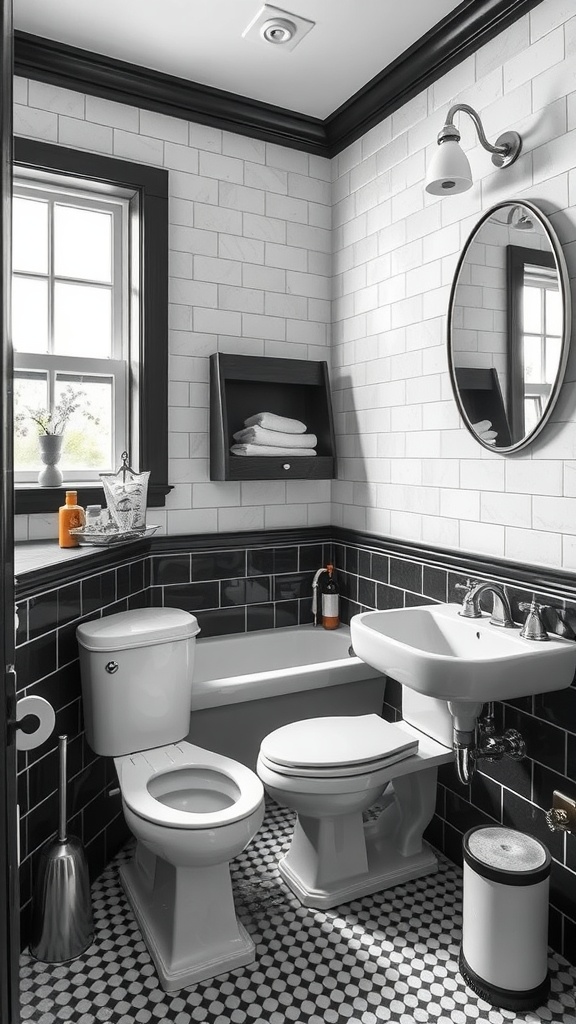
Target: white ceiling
(201,40)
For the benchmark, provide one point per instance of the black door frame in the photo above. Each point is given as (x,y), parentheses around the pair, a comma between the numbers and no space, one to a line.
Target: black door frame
(9,896)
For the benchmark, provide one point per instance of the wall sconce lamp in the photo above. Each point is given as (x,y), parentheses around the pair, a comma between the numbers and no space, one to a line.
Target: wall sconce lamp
(449,171)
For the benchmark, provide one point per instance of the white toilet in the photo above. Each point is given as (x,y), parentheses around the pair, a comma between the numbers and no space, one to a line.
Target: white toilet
(330,770)
(190,809)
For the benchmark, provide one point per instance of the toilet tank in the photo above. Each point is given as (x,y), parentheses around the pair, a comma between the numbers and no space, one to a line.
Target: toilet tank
(136,672)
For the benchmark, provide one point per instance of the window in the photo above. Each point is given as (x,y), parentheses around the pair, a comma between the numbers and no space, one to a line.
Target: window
(70,324)
(90,302)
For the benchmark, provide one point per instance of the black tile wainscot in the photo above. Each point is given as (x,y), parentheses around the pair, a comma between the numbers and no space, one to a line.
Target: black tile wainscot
(377,573)
(262,580)
(51,602)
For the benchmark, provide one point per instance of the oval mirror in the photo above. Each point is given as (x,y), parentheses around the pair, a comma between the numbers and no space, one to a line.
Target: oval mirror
(509,325)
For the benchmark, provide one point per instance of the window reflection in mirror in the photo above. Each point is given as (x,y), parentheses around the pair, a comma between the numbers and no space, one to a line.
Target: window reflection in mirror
(509,326)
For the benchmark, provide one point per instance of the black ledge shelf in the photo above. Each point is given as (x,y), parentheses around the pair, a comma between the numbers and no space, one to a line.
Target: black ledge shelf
(241,386)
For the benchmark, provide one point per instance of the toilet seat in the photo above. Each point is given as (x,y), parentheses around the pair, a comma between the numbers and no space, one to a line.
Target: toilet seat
(177,769)
(338,747)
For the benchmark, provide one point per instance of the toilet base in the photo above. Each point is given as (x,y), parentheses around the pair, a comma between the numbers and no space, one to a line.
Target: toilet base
(187,919)
(386,867)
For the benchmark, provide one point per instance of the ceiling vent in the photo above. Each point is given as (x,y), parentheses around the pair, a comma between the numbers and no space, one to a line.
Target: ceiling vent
(278,28)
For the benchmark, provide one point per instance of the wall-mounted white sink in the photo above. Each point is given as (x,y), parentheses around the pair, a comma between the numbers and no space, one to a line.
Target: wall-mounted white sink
(438,652)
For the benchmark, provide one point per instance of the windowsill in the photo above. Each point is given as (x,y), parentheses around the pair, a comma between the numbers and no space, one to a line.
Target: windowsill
(30,499)
(44,563)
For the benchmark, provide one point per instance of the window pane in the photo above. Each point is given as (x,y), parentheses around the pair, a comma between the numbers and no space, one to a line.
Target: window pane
(554,314)
(30,314)
(553,346)
(532,309)
(88,433)
(30,392)
(82,243)
(82,320)
(532,354)
(30,235)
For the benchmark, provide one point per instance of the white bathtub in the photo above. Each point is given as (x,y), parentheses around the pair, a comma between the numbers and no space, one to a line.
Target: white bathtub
(248,684)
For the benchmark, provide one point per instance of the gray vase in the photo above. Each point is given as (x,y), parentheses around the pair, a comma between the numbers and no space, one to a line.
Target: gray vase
(50,452)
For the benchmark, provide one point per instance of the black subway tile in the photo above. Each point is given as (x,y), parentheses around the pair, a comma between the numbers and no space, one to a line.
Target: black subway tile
(232,592)
(380,568)
(434,583)
(388,597)
(305,616)
(192,597)
(136,577)
(98,591)
(258,590)
(259,561)
(36,659)
(169,569)
(364,564)
(122,581)
(42,614)
(563,889)
(286,613)
(352,560)
(260,616)
(285,560)
(569,944)
(557,707)
(366,592)
(311,557)
(407,575)
(69,606)
(487,795)
(291,586)
(218,565)
(221,621)
(416,600)
(544,743)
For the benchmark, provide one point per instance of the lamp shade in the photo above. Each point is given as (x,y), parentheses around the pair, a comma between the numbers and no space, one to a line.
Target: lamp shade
(449,171)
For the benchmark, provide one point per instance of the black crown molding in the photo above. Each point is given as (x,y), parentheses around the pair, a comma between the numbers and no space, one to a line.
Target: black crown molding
(461,33)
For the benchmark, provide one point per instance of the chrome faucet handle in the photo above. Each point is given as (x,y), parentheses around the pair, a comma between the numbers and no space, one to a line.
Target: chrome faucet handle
(533,628)
(470,607)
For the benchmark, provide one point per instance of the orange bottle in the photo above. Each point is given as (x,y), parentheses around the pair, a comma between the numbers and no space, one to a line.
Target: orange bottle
(330,601)
(70,516)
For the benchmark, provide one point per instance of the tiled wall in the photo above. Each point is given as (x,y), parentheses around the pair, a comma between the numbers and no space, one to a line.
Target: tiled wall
(249,269)
(230,591)
(233,591)
(47,665)
(512,793)
(408,468)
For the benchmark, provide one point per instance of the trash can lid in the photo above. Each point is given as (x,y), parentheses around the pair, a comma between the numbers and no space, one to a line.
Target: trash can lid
(506,855)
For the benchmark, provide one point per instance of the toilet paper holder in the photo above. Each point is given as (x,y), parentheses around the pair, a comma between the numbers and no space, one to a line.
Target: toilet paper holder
(32,735)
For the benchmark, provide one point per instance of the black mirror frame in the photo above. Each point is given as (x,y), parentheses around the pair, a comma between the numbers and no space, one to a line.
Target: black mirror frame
(564,285)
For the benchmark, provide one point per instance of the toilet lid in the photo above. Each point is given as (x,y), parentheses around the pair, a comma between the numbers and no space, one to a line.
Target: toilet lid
(336,746)
(163,771)
(341,771)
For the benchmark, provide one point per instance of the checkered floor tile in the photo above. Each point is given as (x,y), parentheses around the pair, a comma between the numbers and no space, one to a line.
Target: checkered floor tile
(388,957)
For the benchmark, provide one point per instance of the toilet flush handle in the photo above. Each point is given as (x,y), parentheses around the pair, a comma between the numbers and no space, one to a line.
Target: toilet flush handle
(112,667)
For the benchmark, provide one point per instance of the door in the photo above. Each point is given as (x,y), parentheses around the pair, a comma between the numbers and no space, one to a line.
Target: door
(9,931)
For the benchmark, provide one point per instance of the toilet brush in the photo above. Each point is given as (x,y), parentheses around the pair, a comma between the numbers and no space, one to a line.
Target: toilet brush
(62,925)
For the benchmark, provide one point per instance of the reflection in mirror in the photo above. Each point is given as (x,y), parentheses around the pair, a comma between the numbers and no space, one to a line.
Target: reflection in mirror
(508,326)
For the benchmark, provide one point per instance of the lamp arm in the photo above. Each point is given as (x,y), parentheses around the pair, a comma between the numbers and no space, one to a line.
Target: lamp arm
(504,149)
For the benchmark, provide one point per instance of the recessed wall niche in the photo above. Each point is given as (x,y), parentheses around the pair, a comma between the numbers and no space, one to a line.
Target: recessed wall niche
(241,386)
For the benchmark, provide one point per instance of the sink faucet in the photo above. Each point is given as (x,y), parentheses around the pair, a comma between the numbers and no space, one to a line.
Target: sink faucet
(501,610)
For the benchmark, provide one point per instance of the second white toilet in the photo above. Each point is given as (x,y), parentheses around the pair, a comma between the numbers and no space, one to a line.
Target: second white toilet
(331,770)
(190,809)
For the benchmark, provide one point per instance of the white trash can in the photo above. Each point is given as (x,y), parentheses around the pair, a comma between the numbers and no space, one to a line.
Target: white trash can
(504,954)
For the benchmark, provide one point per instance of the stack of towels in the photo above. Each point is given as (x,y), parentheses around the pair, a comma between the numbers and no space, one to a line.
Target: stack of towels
(484,430)
(269,434)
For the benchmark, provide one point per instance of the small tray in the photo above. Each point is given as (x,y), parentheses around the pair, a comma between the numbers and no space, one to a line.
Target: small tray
(108,538)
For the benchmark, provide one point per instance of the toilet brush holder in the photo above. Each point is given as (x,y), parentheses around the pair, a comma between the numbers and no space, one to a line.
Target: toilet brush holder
(504,954)
(62,926)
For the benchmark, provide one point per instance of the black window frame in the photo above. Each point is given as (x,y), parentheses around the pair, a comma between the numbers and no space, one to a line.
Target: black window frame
(151,420)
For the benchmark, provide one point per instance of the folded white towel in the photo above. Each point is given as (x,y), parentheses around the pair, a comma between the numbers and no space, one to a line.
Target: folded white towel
(278,438)
(273,422)
(264,449)
(481,426)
